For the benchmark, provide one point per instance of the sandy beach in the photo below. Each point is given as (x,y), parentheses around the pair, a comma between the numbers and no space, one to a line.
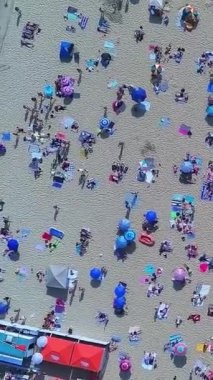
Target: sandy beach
(29,202)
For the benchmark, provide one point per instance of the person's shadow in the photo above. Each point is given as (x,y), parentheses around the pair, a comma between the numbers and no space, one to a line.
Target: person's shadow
(18,19)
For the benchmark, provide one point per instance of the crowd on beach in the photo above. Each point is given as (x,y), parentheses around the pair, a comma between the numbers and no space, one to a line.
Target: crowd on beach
(43,143)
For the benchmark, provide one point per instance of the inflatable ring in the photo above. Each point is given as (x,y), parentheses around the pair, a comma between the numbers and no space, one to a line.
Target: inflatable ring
(146,239)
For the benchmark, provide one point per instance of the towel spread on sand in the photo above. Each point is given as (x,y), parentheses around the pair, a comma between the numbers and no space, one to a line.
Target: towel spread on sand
(204,290)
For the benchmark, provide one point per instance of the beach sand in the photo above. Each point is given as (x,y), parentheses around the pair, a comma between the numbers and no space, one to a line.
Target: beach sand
(29,203)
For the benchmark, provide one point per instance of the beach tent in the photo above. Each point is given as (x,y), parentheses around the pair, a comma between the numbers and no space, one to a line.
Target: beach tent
(58,351)
(159,4)
(57,277)
(66,49)
(88,357)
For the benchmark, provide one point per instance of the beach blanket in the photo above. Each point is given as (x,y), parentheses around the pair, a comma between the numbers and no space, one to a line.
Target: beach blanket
(204,290)
(109,47)
(83,22)
(178,21)
(184,130)
(176,208)
(132,201)
(149,367)
(6,136)
(206,193)
(165,122)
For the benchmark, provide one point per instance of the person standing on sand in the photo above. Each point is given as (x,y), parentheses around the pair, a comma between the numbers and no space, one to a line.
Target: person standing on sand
(79,76)
(56,212)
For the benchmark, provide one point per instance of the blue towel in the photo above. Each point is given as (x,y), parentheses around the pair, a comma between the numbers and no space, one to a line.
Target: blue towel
(6,136)
(57,185)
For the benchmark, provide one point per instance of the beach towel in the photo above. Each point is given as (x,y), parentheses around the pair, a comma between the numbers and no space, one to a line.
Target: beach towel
(149,177)
(83,22)
(109,47)
(199,347)
(33,148)
(163,86)
(69,173)
(204,290)
(40,247)
(175,338)
(112,84)
(178,21)
(184,129)
(23,233)
(57,185)
(56,233)
(72,16)
(90,64)
(149,269)
(165,122)
(146,366)
(6,136)
(205,194)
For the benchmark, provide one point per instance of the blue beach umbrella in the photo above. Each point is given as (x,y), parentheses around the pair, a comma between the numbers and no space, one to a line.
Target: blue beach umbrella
(124,225)
(119,302)
(104,123)
(13,245)
(120,290)
(209,110)
(120,242)
(186,167)
(138,94)
(130,235)
(48,91)
(151,216)
(95,274)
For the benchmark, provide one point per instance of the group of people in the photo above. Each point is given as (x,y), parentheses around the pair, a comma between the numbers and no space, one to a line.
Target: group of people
(118,171)
(82,245)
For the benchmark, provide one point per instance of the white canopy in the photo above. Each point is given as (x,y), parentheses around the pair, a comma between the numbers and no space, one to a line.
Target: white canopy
(159,4)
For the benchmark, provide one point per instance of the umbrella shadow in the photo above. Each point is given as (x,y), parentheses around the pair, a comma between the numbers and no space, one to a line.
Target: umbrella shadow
(180,361)
(125,375)
(155,20)
(68,100)
(209,120)
(120,254)
(104,135)
(95,283)
(131,248)
(137,111)
(14,256)
(178,285)
(119,313)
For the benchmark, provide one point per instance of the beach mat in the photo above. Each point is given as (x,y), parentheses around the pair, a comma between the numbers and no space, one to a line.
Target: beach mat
(176,207)
(205,195)
(165,122)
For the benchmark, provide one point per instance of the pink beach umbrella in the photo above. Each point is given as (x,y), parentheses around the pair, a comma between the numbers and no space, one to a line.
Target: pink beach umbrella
(180,349)
(179,274)
(67,91)
(203,267)
(125,365)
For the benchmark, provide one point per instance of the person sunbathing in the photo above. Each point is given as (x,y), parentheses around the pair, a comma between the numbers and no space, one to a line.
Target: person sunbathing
(181,96)
(194,317)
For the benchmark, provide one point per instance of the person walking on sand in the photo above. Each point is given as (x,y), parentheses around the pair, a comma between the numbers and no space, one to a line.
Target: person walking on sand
(79,76)
(82,292)
(56,212)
